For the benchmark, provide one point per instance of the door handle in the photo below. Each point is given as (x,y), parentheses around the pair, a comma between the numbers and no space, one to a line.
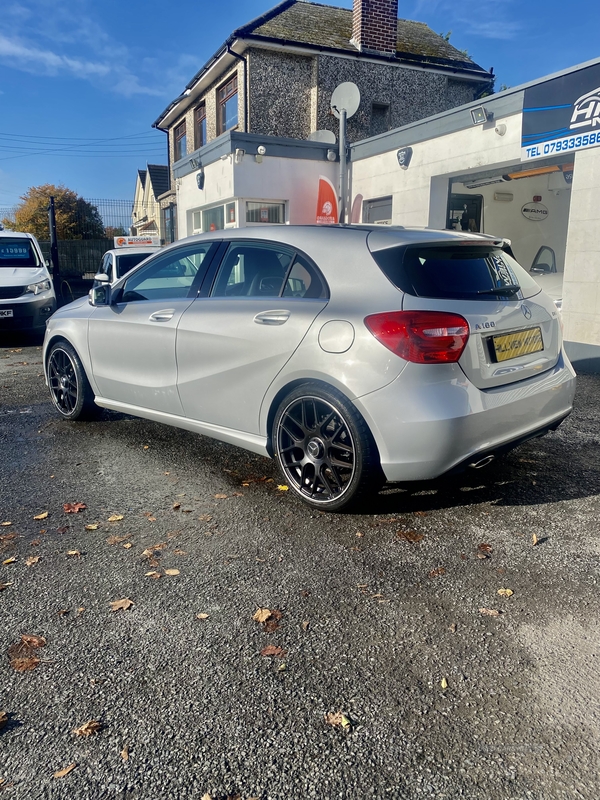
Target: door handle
(272,317)
(162,316)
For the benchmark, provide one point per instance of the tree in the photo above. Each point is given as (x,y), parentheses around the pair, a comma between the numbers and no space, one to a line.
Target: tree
(75,217)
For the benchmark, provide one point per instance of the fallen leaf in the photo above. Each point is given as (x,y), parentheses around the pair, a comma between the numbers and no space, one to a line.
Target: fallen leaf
(88,728)
(3,719)
(62,772)
(80,610)
(73,508)
(489,612)
(534,539)
(410,536)
(62,612)
(505,592)
(43,515)
(22,654)
(74,553)
(146,447)
(444,683)
(435,573)
(171,572)
(117,539)
(92,527)
(305,625)
(4,586)
(115,517)
(128,546)
(151,518)
(34,543)
(283,488)
(125,753)
(338,720)
(206,796)
(202,616)
(176,506)
(420,513)
(485,548)
(62,530)
(33,641)
(452,627)
(5,524)
(153,574)
(9,561)
(272,650)
(31,560)
(221,497)
(261,615)
(124,604)
(205,518)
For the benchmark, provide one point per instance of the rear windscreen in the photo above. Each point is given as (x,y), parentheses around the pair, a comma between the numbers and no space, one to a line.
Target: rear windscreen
(459,272)
(17,253)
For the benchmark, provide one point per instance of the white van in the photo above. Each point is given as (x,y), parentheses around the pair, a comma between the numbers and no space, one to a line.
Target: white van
(27,296)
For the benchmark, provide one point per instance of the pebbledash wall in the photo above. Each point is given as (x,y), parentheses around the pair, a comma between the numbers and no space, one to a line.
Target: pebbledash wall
(555,167)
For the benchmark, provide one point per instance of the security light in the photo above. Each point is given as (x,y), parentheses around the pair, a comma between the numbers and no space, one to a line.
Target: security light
(479,115)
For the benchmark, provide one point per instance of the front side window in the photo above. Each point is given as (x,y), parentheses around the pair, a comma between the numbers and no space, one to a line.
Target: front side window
(180,141)
(227,97)
(200,117)
(167,276)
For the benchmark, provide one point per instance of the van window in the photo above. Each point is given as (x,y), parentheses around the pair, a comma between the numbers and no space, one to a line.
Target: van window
(17,252)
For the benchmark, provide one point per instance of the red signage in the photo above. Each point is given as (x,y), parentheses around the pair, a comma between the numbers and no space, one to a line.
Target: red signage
(327,203)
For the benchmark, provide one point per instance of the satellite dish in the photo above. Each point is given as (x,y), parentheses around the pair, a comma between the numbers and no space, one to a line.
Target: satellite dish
(328,137)
(345,96)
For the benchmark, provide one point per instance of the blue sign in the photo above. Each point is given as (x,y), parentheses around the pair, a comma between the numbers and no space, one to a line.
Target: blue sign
(562,115)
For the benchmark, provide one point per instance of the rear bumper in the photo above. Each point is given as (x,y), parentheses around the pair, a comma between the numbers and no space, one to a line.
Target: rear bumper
(30,315)
(432,420)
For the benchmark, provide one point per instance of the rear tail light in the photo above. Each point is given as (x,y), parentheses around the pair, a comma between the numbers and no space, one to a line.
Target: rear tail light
(423,337)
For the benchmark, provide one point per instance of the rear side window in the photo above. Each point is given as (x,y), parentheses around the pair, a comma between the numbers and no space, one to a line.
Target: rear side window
(458,272)
(17,252)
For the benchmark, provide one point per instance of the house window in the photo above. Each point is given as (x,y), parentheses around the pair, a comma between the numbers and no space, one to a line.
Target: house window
(227,97)
(213,219)
(380,118)
(273,213)
(200,117)
(180,143)
(169,222)
(378,211)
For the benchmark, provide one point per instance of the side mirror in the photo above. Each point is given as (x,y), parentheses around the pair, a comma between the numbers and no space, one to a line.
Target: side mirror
(101,277)
(100,295)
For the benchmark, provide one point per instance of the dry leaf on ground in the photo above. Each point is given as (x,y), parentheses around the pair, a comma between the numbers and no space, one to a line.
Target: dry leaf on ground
(43,515)
(128,546)
(283,488)
(305,625)
(505,592)
(31,560)
(205,518)
(5,524)
(11,560)
(202,616)
(73,508)
(444,683)
(125,753)
(272,650)
(154,574)
(115,517)
(88,728)
(124,604)
(171,572)
(338,720)
(117,539)
(3,719)
(92,527)
(4,586)
(176,506)
(221,496)
(22,654)
(261,615)
(74,553)
(489,612)
(410,536)
(485,548)
(62,772)
(435,573)
(534,539)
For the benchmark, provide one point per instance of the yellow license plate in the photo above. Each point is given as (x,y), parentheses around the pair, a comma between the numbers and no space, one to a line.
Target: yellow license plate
(512,345)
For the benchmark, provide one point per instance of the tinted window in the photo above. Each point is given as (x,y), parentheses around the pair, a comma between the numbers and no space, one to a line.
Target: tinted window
(125,263)
(17,252)
(168,276)
(303,280)
(253,270)
(464,272)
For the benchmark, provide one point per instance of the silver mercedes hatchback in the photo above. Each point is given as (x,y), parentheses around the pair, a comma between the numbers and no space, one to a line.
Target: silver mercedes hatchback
(351,354)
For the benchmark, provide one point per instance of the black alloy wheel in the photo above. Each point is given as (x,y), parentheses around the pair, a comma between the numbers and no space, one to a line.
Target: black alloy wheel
(70,390)
(324,448)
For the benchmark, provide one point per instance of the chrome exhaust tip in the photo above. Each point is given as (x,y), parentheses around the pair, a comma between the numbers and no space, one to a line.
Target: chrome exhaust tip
(483,462)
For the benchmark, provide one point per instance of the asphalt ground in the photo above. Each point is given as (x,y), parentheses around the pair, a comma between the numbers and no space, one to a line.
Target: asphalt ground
(380,619)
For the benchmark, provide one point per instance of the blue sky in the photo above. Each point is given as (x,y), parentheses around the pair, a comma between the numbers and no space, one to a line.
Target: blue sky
(81,82)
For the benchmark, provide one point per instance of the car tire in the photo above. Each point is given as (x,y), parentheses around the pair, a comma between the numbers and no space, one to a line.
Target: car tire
(325,450)
(70,389)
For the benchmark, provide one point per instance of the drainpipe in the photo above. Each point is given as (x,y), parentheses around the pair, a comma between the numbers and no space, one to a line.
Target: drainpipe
(245,63)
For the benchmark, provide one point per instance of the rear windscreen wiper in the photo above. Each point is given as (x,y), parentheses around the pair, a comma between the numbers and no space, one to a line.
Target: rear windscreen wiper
(511,288)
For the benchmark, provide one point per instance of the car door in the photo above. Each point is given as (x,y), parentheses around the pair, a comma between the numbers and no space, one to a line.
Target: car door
(232,343)
(132,341)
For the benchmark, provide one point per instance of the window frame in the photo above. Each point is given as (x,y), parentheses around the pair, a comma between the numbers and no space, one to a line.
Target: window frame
(225,92)
(179,136)
(200,132)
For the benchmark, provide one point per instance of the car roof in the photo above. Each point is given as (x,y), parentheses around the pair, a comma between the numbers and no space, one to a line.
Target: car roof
(124,251)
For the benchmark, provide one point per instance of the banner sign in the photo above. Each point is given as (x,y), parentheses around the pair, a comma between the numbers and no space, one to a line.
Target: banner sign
(136,241)
(327,203)
(562,115)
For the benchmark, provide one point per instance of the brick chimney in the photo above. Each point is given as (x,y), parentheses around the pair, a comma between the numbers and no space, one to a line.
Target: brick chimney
(375,25)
